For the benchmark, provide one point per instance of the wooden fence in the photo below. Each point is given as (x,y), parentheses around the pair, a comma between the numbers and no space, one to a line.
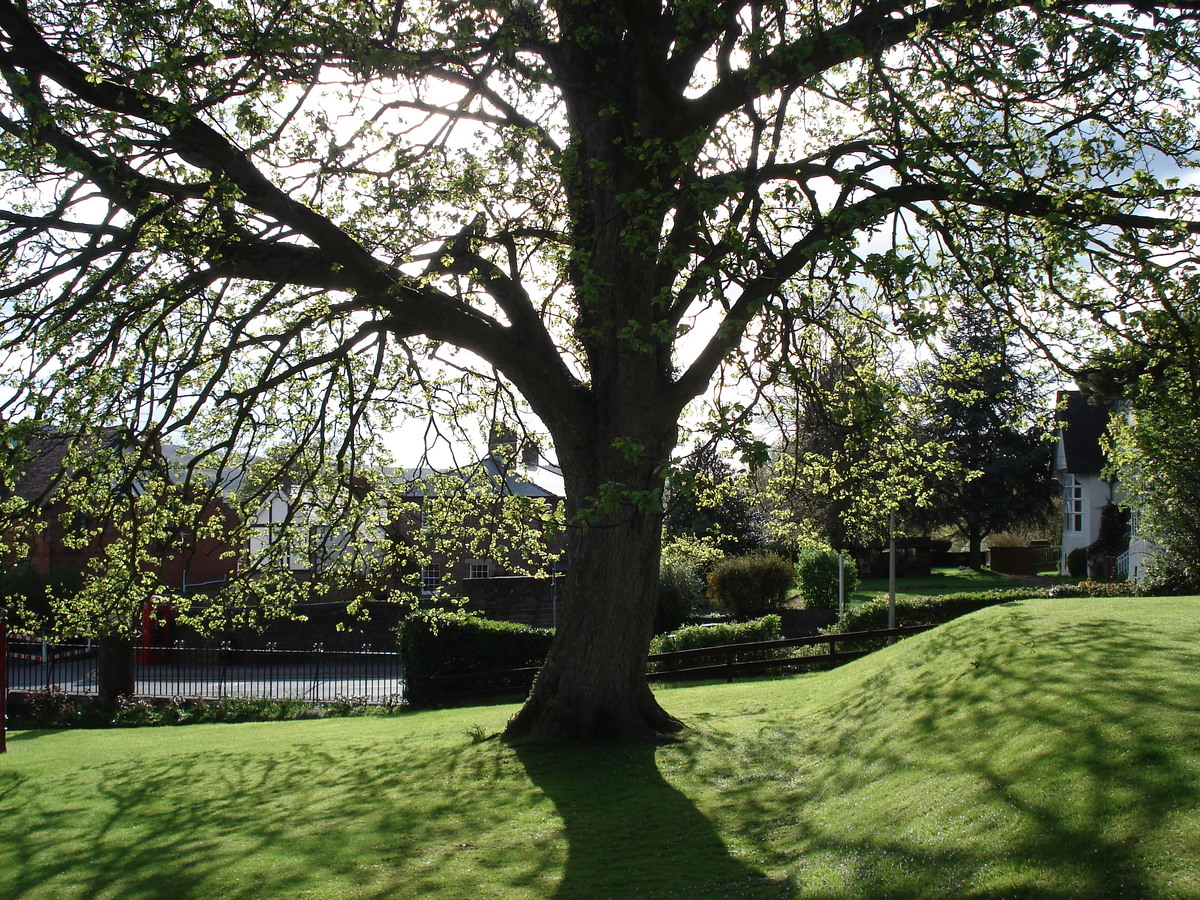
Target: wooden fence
(733,660)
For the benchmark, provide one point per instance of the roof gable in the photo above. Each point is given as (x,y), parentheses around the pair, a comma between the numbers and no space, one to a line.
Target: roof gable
(1081,424)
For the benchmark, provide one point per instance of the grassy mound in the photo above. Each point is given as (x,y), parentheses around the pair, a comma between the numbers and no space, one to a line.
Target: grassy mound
(1038,749)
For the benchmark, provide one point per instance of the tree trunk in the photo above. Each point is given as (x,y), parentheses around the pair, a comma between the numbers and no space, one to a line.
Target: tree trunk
(975,550)
(115,672)
(593,687)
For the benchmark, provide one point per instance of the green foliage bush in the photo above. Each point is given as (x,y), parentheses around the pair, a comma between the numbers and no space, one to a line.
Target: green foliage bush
(817,573)
(873,614)
(54,708)
(1167,575)
(750,586)
(680,594)
(50,707)
(1077,562)
(433,643)
(1093,589)
(691,637)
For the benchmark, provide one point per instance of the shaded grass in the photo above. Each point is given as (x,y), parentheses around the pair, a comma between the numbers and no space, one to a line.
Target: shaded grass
(1039,749)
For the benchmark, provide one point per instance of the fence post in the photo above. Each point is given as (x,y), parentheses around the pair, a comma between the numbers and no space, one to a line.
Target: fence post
(225,652)
(318,649)
(3,680)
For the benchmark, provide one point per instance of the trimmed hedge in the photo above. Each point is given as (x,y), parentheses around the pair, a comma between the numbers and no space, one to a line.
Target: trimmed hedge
(873,614)
(434,643)
(767,628)
(1094,589)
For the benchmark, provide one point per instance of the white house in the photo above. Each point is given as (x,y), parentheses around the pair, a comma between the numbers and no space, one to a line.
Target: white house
(1079,466)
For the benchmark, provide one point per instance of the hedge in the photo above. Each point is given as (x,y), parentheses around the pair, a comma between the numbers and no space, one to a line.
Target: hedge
(873,614)
(691,637)
(434,643)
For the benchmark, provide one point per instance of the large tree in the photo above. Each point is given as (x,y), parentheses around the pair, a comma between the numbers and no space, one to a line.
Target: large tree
(988,407)
(242,221)
(1153,454)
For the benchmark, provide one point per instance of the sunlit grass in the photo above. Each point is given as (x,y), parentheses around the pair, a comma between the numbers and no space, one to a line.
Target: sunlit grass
(939,581)
(1040,749)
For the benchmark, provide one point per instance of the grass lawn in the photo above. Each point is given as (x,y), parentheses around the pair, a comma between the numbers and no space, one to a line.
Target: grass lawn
(1041,749)
(939,581)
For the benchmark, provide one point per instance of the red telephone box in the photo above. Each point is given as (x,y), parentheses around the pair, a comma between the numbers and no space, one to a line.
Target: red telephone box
(158,623)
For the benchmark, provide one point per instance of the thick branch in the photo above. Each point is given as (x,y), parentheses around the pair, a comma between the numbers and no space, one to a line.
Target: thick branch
(853,218)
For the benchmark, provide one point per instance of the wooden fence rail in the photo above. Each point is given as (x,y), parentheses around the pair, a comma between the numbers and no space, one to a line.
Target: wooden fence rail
(769,656)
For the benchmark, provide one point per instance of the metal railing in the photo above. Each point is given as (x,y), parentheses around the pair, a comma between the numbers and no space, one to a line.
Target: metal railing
(316,675)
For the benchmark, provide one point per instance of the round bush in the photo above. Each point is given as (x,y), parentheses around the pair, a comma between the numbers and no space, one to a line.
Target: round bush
(680,595)
(750,586)
(817,574)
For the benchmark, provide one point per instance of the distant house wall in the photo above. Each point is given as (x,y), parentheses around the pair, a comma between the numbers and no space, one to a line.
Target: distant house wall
(531,601)
(1084,496)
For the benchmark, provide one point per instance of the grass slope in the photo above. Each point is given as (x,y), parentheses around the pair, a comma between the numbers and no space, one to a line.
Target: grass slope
(1040,749)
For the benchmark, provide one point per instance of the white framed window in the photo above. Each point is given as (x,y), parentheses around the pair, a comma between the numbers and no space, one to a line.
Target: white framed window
(479,570)
(431,578)
(1073,504)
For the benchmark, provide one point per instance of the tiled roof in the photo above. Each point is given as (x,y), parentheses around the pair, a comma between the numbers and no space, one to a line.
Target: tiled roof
(1081,425)
(43,469)
(43,458)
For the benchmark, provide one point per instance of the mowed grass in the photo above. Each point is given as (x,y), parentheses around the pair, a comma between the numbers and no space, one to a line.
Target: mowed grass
(938,581)
(1039,749)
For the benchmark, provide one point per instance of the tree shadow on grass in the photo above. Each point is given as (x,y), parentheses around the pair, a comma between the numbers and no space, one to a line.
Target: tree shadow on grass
(284,820)
(1049,764)
(631,834)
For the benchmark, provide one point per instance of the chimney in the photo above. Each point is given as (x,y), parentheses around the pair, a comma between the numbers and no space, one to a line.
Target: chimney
(530,455)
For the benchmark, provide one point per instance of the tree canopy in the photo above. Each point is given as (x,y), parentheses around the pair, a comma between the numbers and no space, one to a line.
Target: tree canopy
(850,453)
(1152,450)
(274,222)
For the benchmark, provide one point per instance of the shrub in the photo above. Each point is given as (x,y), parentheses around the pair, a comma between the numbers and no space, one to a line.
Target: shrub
(434,643)
(749,586)
(873,614)
(49,707)
(1077,562)
(1093,589)
(54,708)
(817,573)
(680,594)
(1167,574)
(131,711)
(767,628)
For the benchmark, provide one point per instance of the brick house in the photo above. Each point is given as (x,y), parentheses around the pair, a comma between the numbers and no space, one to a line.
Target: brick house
(42,477)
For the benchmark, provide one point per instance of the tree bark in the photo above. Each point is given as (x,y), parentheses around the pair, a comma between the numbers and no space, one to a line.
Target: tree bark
(975,550)
(593,687)
(115,671)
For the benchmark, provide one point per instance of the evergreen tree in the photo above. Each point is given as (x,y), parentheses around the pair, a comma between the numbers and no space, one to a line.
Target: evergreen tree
(706,500)
(988,408)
